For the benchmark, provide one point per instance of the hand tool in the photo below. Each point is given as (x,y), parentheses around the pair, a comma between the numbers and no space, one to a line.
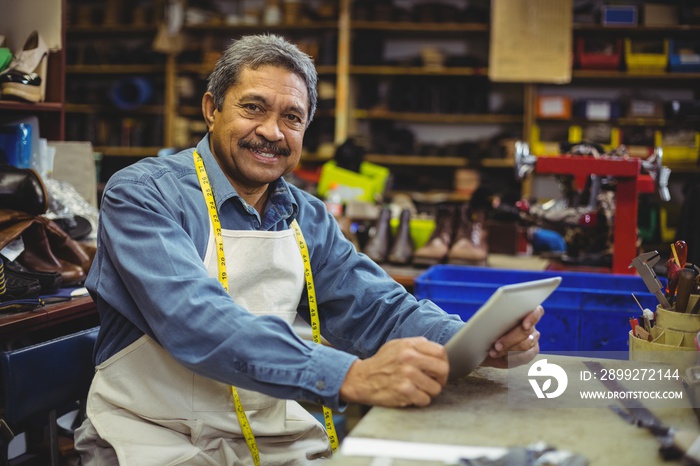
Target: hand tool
(680,252)
(696,307)
(673,269)
(647,315)
(644,263)
(686,280)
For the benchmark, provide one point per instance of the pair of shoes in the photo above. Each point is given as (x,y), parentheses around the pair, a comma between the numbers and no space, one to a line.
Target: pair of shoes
(459,237)
(25,77)
(469,246)
(384,247)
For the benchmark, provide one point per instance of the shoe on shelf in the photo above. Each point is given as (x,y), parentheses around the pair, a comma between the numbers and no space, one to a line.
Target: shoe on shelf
(25,77)
(438,245)
(378,245)
(401,251)
(470,246)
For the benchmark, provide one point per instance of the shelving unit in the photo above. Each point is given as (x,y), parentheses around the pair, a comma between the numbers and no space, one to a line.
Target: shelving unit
(347,45)
(50,113)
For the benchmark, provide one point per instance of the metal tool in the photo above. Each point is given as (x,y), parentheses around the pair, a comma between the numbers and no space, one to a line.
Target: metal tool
(643,263)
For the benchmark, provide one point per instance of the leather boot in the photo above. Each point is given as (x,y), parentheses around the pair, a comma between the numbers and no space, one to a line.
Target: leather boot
(377,248)
(470,244)
(438,245)
(22,189)
(402,249)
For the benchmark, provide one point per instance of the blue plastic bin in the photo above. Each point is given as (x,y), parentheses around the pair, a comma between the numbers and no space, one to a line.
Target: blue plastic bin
(587,312)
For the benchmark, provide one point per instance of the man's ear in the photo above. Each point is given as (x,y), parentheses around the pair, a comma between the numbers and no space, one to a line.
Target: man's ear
(208,109)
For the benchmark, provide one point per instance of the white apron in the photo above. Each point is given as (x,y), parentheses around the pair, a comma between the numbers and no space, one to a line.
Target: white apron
(145,408)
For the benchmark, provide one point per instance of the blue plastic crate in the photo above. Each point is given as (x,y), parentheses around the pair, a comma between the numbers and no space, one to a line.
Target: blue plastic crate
(587,312)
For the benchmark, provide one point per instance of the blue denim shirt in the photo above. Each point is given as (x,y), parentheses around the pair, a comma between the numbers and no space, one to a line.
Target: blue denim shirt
(149,277)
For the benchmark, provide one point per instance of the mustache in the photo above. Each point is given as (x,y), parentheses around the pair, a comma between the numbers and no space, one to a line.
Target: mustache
(264,146)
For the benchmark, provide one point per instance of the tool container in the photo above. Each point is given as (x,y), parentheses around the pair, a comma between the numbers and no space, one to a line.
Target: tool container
(646,56)
(587,312)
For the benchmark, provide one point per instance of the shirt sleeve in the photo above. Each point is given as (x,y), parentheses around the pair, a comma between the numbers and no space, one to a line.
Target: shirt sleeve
(152,272)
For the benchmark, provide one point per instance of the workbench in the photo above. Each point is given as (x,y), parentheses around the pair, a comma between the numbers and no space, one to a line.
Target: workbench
(477,411)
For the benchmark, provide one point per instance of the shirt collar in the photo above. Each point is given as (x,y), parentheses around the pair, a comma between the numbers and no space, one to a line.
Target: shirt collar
(281,204)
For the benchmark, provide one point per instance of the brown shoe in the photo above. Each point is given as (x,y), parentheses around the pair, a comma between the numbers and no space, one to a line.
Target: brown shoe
(438,245)
(377,248)
(470,246)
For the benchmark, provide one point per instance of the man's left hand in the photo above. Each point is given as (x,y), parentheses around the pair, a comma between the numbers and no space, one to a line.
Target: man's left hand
(524,339)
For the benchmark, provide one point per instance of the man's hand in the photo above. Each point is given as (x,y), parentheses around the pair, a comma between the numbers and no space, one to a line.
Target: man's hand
(524,338)
(406,371)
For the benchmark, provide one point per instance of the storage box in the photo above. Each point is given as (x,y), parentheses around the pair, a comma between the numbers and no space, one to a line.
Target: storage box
(554,106)
(592,54)
(597,109)
(363,186)
(618,15)
(678,148)
(645,108)
(588,312)
(646,56)
(684,56)
(658,14)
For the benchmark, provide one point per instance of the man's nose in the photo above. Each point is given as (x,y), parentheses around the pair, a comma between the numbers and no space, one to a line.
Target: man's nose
(269,128)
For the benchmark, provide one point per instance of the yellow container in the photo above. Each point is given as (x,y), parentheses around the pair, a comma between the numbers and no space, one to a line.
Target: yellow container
(421,229)
(646,56)
(367,184)
(678,153)
(668,347)
(672,320)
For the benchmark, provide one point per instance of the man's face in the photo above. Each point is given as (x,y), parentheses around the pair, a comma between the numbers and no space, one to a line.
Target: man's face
(258,133)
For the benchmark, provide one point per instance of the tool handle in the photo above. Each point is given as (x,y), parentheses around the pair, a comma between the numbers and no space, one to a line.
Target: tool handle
(686,280)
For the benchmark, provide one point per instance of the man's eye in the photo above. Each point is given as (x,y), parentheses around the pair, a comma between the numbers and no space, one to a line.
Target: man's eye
(294,118)
(251,107)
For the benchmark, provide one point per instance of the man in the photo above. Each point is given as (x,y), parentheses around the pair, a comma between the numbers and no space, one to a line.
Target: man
(173,339)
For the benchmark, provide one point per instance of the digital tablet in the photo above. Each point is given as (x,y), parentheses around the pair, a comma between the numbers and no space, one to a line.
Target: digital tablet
(501,312)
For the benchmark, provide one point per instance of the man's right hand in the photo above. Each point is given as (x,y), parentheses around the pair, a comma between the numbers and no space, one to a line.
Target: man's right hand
(404,372)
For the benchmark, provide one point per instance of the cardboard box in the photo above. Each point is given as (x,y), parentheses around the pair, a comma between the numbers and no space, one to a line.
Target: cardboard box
(658,14)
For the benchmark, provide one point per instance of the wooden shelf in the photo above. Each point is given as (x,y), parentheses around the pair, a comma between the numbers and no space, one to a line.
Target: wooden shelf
(653,31)
(17,106)
(415,27)
(90,109)
(475,119)
(417,70)
(626,75)
(643,122)
(126,29)
(204,69)
(115,69)
(240,29)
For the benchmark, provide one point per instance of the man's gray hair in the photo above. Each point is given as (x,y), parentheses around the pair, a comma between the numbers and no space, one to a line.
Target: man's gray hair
(260,50)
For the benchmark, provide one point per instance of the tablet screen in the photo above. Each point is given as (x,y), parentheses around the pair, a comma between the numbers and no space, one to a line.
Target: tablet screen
(501,312)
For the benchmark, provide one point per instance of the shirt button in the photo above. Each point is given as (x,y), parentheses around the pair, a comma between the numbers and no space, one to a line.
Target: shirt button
(320,384)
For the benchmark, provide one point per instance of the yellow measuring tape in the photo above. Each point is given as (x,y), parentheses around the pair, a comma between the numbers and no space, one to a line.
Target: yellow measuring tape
(223,279)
